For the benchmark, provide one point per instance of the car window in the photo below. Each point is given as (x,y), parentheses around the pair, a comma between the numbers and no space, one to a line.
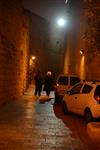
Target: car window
(63,80)
(87,89)
(74,80)
(97,91)
(76,89)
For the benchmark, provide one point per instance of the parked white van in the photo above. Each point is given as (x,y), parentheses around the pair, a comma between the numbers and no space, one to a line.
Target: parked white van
(63,83)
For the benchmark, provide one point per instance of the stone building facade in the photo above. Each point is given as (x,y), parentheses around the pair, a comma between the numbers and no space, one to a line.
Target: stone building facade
(92,40)
(39,40)
(84,37)
(14,55)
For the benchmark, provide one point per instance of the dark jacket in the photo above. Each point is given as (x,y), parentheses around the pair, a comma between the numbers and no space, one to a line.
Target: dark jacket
(48,83)
(38,81)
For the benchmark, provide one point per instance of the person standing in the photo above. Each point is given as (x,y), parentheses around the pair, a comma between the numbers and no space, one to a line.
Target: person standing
(38,83)
(48,83)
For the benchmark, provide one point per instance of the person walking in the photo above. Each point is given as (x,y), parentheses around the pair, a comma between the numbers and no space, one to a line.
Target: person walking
(38,83)
(48,83)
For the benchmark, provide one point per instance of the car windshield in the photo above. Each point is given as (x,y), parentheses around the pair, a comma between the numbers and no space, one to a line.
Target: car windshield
(74,80)
(97,91)
(63,80)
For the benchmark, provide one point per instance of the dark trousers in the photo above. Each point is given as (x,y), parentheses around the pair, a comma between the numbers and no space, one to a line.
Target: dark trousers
(47,92)
(38,91)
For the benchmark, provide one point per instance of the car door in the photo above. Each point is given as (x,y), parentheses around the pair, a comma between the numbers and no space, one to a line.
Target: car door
(83,98)
(73,96)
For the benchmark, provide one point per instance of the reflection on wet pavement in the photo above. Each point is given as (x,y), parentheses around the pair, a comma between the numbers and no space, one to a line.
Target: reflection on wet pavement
(30,123)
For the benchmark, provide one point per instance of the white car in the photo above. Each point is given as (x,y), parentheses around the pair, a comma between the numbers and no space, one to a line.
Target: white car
(83,99)
(63,83)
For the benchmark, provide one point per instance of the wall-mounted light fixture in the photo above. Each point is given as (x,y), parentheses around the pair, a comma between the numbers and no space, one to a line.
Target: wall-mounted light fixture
(33,57)
(31,61)
(82,52)
(61,22)
(66,1)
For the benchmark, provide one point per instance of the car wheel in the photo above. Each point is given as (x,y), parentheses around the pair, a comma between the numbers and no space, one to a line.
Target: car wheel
(64,108)
(56,98)
(88,115)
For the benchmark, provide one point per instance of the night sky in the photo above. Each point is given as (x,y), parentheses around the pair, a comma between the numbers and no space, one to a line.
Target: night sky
(49,9)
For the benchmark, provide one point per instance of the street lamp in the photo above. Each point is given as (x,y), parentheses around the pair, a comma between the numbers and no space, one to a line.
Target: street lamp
(31,68)
(61,22)
(32,60)
(66,1)
(33,57)
(82,52)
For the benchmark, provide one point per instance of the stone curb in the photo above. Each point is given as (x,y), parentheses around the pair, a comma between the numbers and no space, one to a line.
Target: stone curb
(93,130)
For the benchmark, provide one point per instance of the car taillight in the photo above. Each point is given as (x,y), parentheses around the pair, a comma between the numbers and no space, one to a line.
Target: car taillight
(97,98)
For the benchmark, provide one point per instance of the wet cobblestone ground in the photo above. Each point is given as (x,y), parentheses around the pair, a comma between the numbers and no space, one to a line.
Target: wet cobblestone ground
(31,124)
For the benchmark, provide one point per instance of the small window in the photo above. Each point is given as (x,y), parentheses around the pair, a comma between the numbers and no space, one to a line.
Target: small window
(97,91)
(87,89)
(63,80)
(76,89)
(74,80)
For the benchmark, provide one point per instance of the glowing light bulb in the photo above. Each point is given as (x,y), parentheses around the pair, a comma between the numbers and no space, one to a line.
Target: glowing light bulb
(61,22)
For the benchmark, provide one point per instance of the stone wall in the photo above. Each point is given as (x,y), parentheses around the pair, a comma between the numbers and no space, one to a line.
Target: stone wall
(39,39)
(13,50)
(84,36)
(92,39)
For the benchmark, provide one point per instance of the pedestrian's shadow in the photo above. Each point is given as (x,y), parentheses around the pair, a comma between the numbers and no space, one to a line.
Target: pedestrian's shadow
(43,99)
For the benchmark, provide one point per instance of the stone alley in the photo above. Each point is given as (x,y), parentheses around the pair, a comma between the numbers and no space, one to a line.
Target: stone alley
(31,124)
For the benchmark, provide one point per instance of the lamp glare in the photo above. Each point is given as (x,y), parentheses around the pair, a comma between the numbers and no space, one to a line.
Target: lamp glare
(61,22)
